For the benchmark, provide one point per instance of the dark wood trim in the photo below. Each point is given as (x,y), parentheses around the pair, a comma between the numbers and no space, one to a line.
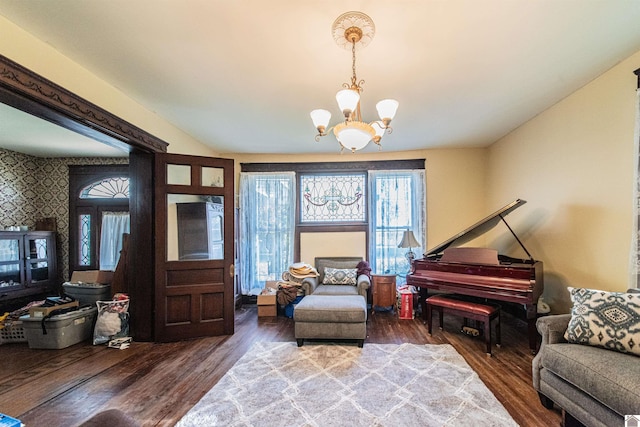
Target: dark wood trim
(30,92)
(333,166)
(637,73)
(141,259)
(34,94)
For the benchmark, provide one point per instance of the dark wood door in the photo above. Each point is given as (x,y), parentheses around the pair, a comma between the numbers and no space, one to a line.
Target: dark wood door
(194,296)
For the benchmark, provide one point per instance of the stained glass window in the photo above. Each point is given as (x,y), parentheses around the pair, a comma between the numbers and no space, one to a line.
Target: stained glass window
(333,198)
(85,240)
(109,188)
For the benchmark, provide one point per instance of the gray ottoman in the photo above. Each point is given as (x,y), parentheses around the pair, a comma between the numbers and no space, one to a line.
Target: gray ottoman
(331,317)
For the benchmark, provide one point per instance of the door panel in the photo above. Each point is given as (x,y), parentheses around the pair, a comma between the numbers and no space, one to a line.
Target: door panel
(194,247)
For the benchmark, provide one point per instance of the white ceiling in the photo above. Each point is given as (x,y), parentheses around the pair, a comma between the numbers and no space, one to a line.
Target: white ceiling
(242,76)
(30,135)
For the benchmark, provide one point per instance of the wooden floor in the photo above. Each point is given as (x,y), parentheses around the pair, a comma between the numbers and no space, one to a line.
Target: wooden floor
(158,383)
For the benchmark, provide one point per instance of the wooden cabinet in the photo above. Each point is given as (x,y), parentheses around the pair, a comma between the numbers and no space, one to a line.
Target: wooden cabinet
(28,264)
(200,231)
(383,290)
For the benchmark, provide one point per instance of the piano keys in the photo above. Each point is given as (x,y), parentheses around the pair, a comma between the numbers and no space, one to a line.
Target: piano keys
(482,272)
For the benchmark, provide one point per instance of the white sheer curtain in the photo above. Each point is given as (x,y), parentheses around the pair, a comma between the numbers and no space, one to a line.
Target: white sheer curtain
(634,280)
(397,203)
(114,224)
(267,227)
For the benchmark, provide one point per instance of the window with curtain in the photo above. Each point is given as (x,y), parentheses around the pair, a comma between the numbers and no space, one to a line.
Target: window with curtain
(267,226)
(114,225)
(397,204)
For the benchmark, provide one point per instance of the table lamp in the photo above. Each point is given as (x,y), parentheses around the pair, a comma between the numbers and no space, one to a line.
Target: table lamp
(409,241)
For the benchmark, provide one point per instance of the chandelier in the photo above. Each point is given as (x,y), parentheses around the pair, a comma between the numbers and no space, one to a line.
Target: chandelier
(354,30)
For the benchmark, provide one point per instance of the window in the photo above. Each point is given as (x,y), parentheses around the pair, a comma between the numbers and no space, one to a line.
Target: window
(267,212)
(380,199)
(109,188)
(397,204)
(333,198)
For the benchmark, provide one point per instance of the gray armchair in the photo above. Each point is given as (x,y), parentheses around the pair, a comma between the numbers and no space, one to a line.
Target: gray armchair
(594,385)
(315,285)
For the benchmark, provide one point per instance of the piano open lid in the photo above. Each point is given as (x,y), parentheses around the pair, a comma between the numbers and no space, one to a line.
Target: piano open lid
(480,228)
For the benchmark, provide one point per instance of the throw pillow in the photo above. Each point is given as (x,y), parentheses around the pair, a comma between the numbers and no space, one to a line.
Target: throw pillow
(340,276)
(605,319)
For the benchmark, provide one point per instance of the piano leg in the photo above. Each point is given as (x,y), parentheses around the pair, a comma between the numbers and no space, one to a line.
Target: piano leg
(424,294)
(532,317)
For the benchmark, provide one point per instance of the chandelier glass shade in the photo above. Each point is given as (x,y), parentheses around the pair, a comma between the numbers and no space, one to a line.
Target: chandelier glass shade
(354,29)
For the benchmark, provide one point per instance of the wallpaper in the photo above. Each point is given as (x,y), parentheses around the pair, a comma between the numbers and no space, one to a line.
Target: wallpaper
(32,188)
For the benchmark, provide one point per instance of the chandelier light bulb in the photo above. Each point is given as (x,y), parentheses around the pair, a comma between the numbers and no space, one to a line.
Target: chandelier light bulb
(347,101)
(320,119)
(387,109)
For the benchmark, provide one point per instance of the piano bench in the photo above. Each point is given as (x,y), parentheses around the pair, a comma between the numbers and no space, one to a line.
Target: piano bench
(468,310)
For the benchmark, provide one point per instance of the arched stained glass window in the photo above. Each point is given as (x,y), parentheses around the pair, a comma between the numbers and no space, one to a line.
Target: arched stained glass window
(108,188)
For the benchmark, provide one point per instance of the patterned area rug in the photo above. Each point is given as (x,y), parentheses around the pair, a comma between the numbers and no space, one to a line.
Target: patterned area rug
(279,384)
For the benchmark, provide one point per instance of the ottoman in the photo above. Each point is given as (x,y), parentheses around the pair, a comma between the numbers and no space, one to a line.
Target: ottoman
(339,317)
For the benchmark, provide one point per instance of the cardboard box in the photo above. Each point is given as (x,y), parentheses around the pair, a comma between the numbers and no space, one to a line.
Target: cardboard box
(92,276)
(63,330)
(267,304)
(267,311)
(266,300)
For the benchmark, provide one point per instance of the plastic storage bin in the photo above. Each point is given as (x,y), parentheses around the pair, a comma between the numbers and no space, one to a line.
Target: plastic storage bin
(87,294)
(62,331)
(12,332)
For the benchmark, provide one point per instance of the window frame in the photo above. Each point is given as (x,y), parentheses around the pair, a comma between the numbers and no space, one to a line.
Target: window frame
(331,167)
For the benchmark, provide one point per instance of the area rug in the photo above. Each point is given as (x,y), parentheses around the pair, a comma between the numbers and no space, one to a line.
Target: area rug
(280,384)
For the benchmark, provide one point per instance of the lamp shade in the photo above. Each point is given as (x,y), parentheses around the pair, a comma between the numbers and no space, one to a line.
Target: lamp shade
(347,101)
(320,118)
(387,108)
(408,240)
(354,135)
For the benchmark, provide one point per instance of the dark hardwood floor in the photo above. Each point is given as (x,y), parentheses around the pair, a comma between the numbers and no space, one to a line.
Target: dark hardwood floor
(158,383)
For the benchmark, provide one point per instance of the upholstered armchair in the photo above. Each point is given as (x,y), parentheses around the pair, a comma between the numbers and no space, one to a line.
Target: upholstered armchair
(593,385)
(321,285)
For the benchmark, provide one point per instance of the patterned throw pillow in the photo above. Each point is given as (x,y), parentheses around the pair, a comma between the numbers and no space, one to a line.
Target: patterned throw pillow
(340,276)
(605,319)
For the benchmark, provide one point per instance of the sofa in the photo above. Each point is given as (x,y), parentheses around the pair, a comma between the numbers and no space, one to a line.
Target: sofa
(594,385)
(316,285)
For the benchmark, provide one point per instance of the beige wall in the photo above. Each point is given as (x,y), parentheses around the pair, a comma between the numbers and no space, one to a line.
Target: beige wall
(574,165)
(21,47)
(314,245)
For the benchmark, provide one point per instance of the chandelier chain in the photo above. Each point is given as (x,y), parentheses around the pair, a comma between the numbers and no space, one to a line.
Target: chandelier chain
(353,63)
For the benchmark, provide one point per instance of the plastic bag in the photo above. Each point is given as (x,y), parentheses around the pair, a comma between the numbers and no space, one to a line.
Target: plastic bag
(112,321)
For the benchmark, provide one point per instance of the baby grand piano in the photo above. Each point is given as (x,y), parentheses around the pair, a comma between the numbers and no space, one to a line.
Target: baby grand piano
(482,272)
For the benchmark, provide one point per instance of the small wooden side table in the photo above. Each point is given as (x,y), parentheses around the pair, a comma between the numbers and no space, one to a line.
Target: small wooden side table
(383,290)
